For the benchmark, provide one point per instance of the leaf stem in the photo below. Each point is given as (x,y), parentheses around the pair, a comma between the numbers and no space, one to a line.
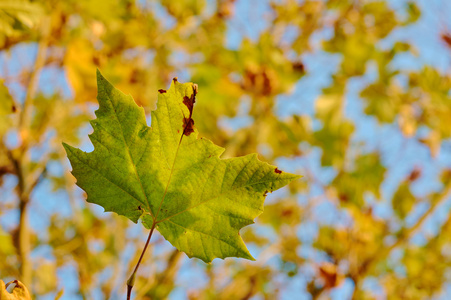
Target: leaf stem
(131,279)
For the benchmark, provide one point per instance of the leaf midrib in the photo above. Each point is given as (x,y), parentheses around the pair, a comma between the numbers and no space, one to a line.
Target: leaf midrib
(219,195)
(154,221)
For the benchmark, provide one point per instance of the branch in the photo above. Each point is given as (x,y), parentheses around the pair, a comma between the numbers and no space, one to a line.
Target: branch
(20,162)
(25,115)
(409,232)
(23,245)
(383,253)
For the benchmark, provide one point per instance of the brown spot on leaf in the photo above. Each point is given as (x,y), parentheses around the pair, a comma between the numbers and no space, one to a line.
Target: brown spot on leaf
(161,91)
(446,37)
(298,67)
(287,212)
(188,123)
(343,197)
(261,82)
(414,174)
(189,102)
(5,170)
(96,61)
(134,76)
(277,171)
(13,108)
(329,273)
(174,79)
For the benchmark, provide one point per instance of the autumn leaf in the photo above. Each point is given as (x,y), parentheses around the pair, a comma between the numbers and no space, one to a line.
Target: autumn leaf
(6,104)
(170,177)
(330,275)
(7,108)
(20,292)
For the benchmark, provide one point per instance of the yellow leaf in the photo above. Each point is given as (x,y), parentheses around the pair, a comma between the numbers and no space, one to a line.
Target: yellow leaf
(329,273)
(20,292)
(59,295)
(407,122)
(433,141)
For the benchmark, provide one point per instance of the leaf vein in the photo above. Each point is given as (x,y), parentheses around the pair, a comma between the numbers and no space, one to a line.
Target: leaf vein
(96,171)
(221,194)
(214,237)
(130,155)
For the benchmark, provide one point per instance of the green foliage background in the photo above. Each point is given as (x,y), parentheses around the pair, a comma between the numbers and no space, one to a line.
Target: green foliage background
(354,95)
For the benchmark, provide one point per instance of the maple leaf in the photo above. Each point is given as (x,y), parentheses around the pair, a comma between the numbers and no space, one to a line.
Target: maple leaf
(165,174)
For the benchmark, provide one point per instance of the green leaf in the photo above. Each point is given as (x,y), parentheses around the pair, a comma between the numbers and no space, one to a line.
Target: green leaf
(7,108)
(6,101)
(18,14)
(403,200)
(168,176)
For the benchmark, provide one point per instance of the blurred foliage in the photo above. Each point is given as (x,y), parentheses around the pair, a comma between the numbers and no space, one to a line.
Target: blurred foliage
(366,215)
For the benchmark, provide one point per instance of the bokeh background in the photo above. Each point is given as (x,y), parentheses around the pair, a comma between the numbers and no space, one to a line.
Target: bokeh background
(352,94)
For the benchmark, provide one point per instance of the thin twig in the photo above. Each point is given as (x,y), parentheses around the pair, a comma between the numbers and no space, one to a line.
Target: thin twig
(34,76)
(131,280)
